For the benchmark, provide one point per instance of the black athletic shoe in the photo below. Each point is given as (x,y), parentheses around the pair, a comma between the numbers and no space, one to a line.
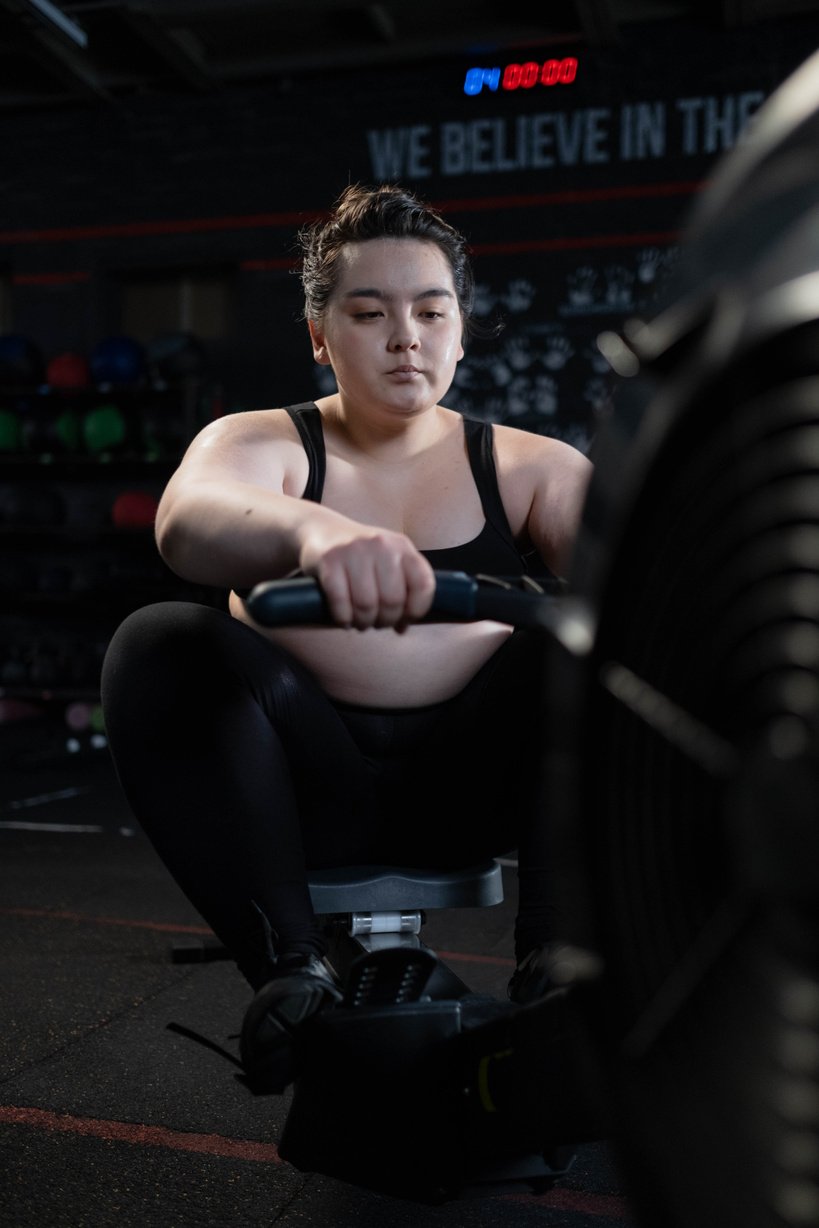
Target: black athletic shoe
(301,987)
(550,967)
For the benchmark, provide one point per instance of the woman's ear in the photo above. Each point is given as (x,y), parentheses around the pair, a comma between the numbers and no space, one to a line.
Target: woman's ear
(319,348)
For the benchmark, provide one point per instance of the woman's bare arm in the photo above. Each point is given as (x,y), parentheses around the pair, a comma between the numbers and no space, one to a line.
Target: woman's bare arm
(544,483)
(232,516)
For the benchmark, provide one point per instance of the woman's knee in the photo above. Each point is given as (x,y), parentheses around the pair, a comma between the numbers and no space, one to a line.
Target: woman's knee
(150,634)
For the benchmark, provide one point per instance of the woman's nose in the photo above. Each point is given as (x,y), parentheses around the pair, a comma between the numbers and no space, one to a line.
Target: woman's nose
(404,335)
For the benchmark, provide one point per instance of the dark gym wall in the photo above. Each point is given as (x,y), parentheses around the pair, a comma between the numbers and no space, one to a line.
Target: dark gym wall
(572,196)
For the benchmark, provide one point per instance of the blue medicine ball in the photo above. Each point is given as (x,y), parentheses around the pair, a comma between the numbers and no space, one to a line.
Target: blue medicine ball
(117,360)
(21,361)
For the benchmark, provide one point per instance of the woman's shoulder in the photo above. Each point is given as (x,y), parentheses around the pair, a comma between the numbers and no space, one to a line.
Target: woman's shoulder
(259,445)
(519,445)
(251,426)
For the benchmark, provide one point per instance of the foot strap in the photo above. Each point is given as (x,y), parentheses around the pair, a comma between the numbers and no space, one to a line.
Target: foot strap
(388,976)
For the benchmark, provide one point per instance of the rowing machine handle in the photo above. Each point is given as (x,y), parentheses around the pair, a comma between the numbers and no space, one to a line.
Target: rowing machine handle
(299,600)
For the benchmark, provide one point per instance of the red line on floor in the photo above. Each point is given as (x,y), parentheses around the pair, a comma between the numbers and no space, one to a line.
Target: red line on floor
(164,927)
(609,1205)
(140,1135)
(497,960)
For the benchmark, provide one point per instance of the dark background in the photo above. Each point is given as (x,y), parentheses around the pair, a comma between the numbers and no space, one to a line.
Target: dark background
(152,184)
(214,183)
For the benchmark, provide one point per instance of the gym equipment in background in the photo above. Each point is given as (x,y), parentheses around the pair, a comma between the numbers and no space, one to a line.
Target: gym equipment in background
(173,357)
(117,360)
(134,509)
(68,372)
(10,433)
(49,430)
(684,750)
(31,505)
(104,429)
(162,429)
(22,364)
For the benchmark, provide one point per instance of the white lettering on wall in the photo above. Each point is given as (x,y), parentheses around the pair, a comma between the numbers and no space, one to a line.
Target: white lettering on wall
(395,152)
(589,136)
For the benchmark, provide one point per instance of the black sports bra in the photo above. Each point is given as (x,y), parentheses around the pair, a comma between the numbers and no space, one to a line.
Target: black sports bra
(493,552)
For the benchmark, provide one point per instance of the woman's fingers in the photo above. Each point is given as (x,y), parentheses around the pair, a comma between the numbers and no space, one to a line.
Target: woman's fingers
(378,581)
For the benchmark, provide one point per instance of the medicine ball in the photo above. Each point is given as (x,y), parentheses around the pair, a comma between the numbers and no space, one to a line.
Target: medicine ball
(21,361)
(10,440)
(103,429)
(68,372)
(134,509)
(175,356)
(117,360)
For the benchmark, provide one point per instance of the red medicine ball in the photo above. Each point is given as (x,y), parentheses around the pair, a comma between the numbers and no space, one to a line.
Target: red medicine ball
(134,509)
(68,371)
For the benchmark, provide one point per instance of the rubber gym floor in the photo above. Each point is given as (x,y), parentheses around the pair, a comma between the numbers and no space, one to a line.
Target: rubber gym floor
(107,1117)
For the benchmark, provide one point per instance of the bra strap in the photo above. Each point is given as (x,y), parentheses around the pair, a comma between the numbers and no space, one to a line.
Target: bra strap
(306,418)
(482,461)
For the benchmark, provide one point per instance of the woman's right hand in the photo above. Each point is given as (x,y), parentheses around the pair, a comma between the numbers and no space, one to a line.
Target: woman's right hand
(370,577)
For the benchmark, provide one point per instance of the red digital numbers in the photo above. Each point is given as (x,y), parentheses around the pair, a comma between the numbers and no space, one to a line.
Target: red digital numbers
(525,76)
(521,76)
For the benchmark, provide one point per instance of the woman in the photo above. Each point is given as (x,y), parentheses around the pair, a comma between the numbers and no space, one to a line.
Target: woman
(250,754)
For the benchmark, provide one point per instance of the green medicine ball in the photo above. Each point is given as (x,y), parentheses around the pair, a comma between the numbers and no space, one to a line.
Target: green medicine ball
(103,429)
(10,440)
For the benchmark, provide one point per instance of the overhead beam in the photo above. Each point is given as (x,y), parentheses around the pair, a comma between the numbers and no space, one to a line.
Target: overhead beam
(52,50)
(178,49)
(55,19)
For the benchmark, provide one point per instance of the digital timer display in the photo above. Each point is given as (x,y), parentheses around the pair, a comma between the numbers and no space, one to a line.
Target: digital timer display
(521,76)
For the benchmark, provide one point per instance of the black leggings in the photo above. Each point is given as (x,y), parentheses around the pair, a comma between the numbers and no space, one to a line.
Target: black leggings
(244,774)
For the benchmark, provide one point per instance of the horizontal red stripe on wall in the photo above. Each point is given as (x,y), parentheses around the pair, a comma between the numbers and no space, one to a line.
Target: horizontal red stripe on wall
(564,243)
(262,266)
(49,279)
(160,226)
(648,238)
(266,221)
(572,196)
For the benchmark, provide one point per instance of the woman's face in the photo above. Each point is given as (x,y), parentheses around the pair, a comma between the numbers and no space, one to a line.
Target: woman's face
(392,328)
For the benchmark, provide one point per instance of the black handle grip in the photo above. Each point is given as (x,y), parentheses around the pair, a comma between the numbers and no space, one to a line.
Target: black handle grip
(300,601)
(459,597)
